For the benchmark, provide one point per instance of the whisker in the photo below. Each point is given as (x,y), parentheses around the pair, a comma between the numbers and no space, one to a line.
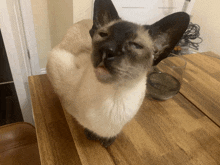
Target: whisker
(125,74)
(126,70)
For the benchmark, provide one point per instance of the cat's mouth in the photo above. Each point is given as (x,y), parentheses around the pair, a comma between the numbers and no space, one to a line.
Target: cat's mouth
(102,73)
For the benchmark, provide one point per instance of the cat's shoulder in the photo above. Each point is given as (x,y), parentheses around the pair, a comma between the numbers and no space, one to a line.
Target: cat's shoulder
(61,58)
(80,27)
(62,63)
(70,58)
(85,23)
(75,45)
(77,39)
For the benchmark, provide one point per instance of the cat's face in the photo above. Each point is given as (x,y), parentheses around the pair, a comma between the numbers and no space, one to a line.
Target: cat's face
(124,51)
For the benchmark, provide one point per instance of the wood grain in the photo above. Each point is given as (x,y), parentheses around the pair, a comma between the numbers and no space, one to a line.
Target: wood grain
(179,131)
(203,87)
(55,142)
(89,152)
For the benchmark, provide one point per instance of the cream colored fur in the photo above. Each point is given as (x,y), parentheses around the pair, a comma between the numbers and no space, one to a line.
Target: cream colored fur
(102,108)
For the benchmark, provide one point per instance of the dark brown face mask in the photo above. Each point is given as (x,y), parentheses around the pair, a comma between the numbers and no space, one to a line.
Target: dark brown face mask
(122,45)
(165,33)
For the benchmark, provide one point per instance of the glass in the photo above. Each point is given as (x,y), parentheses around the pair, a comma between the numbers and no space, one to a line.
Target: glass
(164,80)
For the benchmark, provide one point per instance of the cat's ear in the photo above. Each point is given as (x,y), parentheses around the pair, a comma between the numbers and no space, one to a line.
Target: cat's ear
(166,33)
(104,12)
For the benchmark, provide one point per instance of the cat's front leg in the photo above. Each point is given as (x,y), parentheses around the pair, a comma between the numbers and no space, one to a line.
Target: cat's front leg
(103,140)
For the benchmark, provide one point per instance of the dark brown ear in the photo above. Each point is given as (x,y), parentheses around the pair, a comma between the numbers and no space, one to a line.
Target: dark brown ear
(104,12)
(166,33)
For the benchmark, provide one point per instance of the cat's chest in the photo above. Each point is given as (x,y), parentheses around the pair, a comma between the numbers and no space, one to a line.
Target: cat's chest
(94,99)
(107,112)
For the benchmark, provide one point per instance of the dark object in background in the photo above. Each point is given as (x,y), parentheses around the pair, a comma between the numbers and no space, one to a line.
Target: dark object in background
(4,93)
(10,111)
(191,39)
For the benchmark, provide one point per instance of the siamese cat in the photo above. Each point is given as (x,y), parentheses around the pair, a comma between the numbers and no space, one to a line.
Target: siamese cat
(99,69)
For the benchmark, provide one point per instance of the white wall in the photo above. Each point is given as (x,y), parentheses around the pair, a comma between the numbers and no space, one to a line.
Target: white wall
(52,18)
(42,30)
(206,13)
(60,15)
(82,9)
(149,11)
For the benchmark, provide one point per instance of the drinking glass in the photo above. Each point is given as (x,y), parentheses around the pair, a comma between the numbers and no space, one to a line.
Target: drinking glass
(165,79)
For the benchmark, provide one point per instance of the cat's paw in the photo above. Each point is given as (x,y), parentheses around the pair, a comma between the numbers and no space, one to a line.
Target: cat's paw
(106,142)
(90,135)
(93,136)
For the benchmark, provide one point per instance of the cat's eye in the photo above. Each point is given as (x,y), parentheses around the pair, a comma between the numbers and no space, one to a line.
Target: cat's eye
(135,45)
(103,34)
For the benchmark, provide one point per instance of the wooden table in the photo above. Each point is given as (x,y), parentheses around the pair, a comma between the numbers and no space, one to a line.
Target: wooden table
(182,130)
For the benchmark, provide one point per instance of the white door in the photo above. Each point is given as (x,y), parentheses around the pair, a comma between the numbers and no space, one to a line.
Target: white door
(18,54)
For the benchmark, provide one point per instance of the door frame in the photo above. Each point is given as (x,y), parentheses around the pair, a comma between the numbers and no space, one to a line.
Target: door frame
(29,32)
(19,53)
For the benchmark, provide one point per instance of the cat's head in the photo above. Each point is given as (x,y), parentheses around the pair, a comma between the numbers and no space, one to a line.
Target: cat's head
(124,51)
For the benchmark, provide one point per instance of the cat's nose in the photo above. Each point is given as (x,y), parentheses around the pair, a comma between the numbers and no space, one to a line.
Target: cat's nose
(110,53)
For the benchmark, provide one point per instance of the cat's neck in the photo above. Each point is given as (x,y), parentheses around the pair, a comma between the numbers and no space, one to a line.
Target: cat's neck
(133,85)
(127,87)
(129,84)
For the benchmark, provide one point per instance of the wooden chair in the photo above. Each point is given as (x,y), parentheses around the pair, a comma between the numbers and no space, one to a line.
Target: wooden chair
(18,144)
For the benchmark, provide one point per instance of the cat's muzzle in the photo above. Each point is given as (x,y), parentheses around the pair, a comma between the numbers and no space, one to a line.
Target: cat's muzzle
(102,70)
(109,54)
